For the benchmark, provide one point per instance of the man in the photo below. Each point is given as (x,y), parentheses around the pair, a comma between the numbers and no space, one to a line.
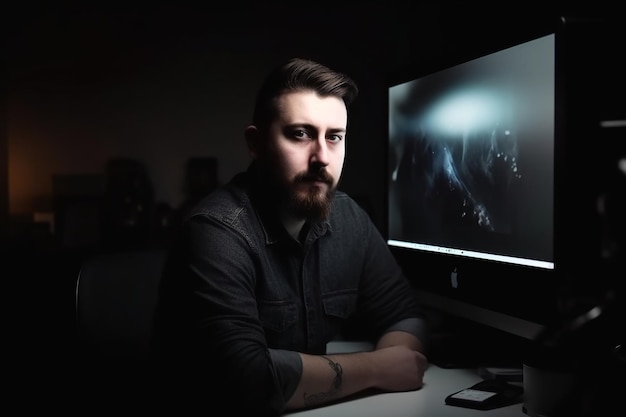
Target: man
(269,268)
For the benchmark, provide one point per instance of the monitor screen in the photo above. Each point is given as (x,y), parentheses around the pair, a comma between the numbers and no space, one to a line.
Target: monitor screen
(471,182)
(472,158)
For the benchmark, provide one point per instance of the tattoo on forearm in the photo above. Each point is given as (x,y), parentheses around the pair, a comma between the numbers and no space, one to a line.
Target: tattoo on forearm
(335,387)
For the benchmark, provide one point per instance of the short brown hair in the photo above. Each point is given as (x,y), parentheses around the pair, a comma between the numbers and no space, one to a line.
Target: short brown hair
(299,74)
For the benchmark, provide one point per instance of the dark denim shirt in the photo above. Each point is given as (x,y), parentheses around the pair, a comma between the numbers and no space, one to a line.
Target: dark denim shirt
(240,296)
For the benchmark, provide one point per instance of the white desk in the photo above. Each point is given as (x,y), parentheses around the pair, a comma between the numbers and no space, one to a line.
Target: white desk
(427,401)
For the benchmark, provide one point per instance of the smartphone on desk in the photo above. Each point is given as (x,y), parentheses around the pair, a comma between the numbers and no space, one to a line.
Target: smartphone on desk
(487,395)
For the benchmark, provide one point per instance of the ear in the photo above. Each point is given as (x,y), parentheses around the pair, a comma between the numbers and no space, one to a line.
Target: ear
(252,140)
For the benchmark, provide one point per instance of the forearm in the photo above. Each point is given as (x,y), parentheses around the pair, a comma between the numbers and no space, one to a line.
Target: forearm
(327,378)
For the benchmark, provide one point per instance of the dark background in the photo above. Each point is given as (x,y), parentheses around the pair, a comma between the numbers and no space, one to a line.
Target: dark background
(106,104)
(160,85)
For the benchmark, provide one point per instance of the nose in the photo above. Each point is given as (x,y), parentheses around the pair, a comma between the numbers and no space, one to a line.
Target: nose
(320,152)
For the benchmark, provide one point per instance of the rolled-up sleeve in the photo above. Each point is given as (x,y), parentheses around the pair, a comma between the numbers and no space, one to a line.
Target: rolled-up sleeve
(288,365)
(416,326)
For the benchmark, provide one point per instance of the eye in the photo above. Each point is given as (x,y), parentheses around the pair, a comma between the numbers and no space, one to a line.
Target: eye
(301,134)
(334,138)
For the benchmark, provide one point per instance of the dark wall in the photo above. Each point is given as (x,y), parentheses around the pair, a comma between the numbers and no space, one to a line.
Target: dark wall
(165,84)
(4,173)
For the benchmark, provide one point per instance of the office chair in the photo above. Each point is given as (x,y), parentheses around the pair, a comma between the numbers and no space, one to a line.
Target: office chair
(116,295)
(116,298)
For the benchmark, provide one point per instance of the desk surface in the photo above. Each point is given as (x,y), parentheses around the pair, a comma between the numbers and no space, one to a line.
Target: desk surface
(427,401)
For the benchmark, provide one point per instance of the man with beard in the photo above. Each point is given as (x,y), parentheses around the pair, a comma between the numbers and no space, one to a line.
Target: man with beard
(269,268)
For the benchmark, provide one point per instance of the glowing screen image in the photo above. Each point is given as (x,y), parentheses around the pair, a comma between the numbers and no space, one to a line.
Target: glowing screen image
(471,157)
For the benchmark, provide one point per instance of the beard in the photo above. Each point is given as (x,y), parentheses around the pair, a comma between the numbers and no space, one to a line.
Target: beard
(307,199)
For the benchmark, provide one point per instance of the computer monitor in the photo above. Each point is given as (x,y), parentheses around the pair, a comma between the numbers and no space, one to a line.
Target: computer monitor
(488,211)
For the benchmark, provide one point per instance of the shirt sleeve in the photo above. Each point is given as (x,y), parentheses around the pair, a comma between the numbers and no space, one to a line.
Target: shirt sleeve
(387,300)
(288,366)
(416,326)
(210,329)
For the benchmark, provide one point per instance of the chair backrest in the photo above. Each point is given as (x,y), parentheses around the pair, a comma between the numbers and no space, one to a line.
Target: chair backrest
(116,296)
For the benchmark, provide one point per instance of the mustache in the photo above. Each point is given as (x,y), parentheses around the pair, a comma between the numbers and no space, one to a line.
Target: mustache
(321,175)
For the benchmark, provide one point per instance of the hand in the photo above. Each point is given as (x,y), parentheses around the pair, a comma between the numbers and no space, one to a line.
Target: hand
(398,368)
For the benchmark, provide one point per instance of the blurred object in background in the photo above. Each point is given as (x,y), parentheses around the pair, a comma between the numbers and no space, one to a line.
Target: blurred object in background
(128,204)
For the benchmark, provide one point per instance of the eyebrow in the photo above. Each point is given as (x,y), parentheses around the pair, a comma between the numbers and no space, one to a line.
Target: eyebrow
(313,127)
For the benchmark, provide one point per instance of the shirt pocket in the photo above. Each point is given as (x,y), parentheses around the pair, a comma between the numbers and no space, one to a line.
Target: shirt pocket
(278,316)
(340,304)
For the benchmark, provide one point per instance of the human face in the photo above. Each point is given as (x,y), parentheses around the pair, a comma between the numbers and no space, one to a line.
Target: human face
(306,150)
